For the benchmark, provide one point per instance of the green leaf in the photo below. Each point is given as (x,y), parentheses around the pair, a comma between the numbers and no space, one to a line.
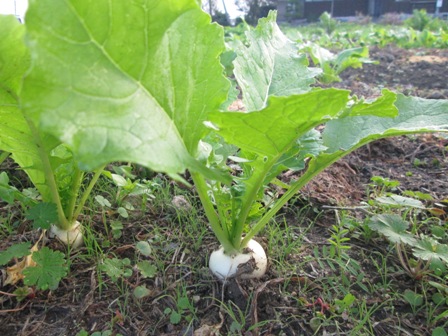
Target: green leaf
(15,251)
(274,130)
(22,293)
(43,215)
(382,106)
(49,270)
(416,115)
(141,291)
(147,269)
(144,248)
(175,317)
(183,303)
(353,58)
(393,227)
(270,65)
(15,134)
(428,249)
(309,145)
(116,268)
(398,201)
(104,202)
(7,193)
(120,81)
(413,298)
(439,331)
(119,180)
(123,212)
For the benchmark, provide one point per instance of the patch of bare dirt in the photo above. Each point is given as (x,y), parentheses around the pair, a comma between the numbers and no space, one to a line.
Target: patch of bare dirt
(419,163)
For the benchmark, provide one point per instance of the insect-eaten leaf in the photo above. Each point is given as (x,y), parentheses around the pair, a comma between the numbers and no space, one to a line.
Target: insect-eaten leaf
(43,215)
(15,251)
(15,272)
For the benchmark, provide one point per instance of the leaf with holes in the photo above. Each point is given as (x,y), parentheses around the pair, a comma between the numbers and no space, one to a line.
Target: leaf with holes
(15,251)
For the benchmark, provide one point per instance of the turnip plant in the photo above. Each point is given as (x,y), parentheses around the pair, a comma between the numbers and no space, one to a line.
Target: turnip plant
(49,163)
(141,81)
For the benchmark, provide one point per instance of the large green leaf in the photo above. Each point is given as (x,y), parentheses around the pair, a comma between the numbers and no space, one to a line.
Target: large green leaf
(121,80)
(273,130)
(15,134)
(270,66)
(415,115)
(342,136)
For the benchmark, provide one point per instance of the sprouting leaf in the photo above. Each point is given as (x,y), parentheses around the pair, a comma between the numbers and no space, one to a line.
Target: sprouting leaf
(49,269)
(428,249)
(413,298)
(22,292)
(183,303)
(15,251)
(270,65)
(43,215)
(144,248)
(7,192)
(393,227)
(332,65)
(119,180)
(122,212)
(116,268)
(440,331)
(104,202)
(141,291)
(125,81)
(147,269)
(117,228)
(175,317)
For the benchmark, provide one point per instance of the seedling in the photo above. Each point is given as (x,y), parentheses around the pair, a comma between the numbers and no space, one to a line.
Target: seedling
(426,250)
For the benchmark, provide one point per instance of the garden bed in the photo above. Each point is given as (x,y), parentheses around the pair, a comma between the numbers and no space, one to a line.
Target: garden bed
(304,286)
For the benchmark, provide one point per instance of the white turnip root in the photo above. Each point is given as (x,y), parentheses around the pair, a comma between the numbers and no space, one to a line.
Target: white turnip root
(72,237)
(251,263)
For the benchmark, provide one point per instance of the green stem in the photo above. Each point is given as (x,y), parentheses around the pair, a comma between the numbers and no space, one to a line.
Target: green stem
(87,192)
(201,187)
(63,223)
(249,199)
(74,190)
(3,156)
(294,188)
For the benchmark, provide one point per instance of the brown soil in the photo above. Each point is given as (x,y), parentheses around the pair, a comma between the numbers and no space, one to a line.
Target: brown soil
(288,302)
